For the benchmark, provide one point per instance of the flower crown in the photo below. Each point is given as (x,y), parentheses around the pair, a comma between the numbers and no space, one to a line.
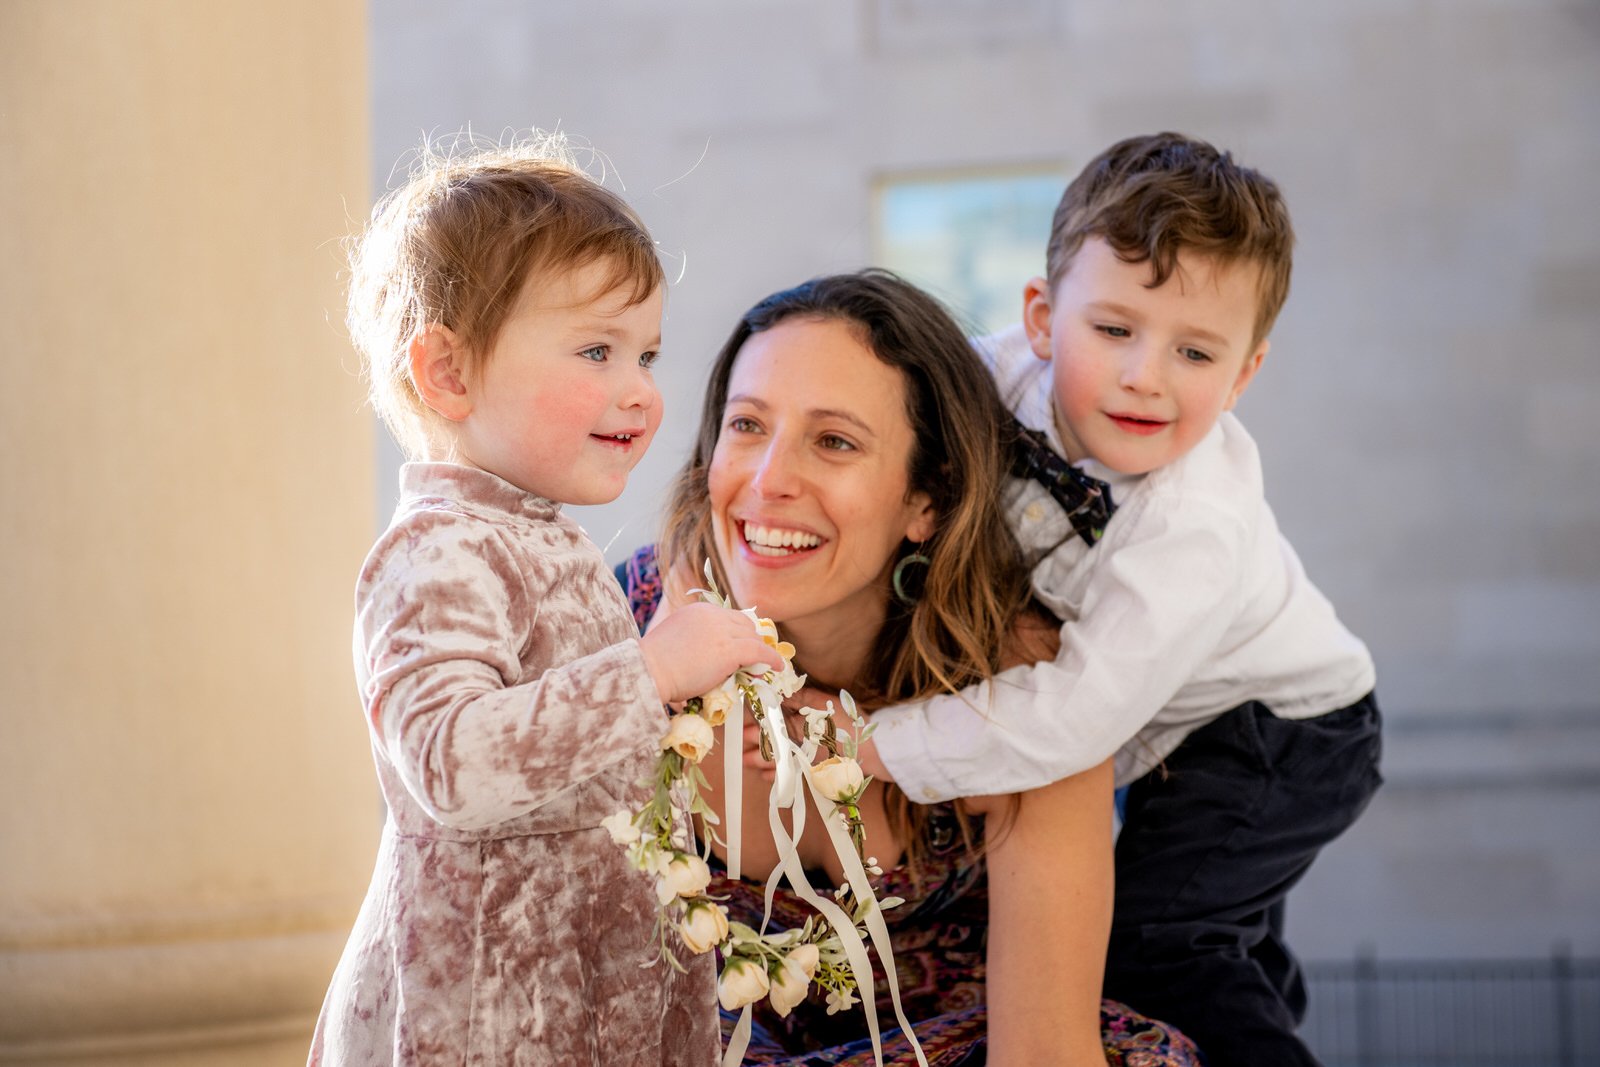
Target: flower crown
(829,950)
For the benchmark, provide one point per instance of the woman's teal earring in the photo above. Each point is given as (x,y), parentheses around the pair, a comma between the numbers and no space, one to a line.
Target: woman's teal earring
(898,578)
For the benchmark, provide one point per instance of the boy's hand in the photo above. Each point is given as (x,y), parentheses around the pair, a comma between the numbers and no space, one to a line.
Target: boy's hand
(1034,637)
(871,765)
(698,646)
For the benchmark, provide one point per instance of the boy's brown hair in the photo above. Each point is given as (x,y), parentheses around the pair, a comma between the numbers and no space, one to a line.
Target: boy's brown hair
(456,244)
(1154,196)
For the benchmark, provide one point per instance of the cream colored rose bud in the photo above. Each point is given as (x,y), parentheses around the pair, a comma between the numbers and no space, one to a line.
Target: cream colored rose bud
(689,736)
(715,706)
(704,927)
(837,778)
(685,876)
(789,987)
(743,981)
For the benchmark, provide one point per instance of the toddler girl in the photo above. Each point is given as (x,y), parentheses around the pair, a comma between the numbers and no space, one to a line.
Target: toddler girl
(508,309)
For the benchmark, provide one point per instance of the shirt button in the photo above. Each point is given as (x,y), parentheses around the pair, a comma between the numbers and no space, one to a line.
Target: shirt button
(1033,512)
(929,795)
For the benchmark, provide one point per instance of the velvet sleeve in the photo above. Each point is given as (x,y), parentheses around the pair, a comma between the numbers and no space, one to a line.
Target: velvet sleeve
(491,682)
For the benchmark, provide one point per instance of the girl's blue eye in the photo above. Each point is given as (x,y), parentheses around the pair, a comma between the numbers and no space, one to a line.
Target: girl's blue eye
(648,359)
(1194,355)
(1114,331)
(597,354)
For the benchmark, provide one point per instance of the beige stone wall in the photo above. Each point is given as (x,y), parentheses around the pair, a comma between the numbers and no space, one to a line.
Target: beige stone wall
(187,815)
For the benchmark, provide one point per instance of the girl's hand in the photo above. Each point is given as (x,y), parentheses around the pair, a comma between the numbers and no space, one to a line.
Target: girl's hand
(695,648)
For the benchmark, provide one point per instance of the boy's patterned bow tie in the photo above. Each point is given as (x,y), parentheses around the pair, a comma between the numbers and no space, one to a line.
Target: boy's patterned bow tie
(1087,501)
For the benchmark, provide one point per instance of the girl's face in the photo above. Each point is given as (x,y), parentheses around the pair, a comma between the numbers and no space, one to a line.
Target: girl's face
(809,480)
(565,404)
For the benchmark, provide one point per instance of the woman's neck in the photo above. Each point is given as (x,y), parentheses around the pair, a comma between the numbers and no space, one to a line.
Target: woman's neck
(833,649)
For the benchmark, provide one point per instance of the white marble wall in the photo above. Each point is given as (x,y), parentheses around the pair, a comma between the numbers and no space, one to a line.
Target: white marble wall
(1426,413)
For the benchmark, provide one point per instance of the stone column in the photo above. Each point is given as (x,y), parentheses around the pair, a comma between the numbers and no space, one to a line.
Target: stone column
(187,809)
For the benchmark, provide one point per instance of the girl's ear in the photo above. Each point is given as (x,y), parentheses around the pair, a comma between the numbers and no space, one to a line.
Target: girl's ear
(438,371)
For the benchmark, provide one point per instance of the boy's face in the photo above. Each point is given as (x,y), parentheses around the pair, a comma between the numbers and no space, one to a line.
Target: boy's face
(1141,375)
(565,406)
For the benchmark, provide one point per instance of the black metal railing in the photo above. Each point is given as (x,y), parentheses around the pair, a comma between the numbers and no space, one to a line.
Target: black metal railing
(1371,1012)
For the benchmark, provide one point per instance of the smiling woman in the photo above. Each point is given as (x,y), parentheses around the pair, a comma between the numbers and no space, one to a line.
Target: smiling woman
(848,428)
(812,459)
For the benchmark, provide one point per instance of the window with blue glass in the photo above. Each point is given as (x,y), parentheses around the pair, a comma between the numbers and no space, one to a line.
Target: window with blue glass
(971,238)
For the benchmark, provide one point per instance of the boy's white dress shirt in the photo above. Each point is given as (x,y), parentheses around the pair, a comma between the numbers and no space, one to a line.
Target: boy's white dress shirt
(1190,605)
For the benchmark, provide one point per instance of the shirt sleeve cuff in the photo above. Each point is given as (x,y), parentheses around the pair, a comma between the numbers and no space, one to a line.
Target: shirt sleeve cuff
(900,736)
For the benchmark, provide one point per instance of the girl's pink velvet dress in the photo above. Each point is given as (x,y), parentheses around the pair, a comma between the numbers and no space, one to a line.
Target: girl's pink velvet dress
(510,711)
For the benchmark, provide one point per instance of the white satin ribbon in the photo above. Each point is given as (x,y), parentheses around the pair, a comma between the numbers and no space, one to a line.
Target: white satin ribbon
(855,874)
(739,1040)
(786,793)
(732,784)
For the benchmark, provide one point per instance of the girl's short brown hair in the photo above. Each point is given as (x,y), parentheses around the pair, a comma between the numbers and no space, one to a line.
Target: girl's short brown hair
(1154,196)
(457,243)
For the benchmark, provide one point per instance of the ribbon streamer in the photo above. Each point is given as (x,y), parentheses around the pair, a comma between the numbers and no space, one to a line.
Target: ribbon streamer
(856,877)
(791,763)
(732,784)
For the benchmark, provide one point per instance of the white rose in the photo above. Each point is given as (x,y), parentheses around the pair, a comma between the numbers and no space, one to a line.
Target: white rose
(703,928)
(715,706)
(689,736)
(793,980)
(838,778)
(743,981)
(684,876)
(621,828)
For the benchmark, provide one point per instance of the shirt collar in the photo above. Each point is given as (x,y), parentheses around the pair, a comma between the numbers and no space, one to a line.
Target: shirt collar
(469,485)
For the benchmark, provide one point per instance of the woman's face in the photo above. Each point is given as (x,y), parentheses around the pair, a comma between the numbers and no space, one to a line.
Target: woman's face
(809,478)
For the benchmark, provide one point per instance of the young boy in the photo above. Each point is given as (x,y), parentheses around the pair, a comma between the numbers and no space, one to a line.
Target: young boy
(1193,646)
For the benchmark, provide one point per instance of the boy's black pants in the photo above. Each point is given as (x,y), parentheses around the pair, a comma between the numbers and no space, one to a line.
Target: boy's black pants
(1210,846)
